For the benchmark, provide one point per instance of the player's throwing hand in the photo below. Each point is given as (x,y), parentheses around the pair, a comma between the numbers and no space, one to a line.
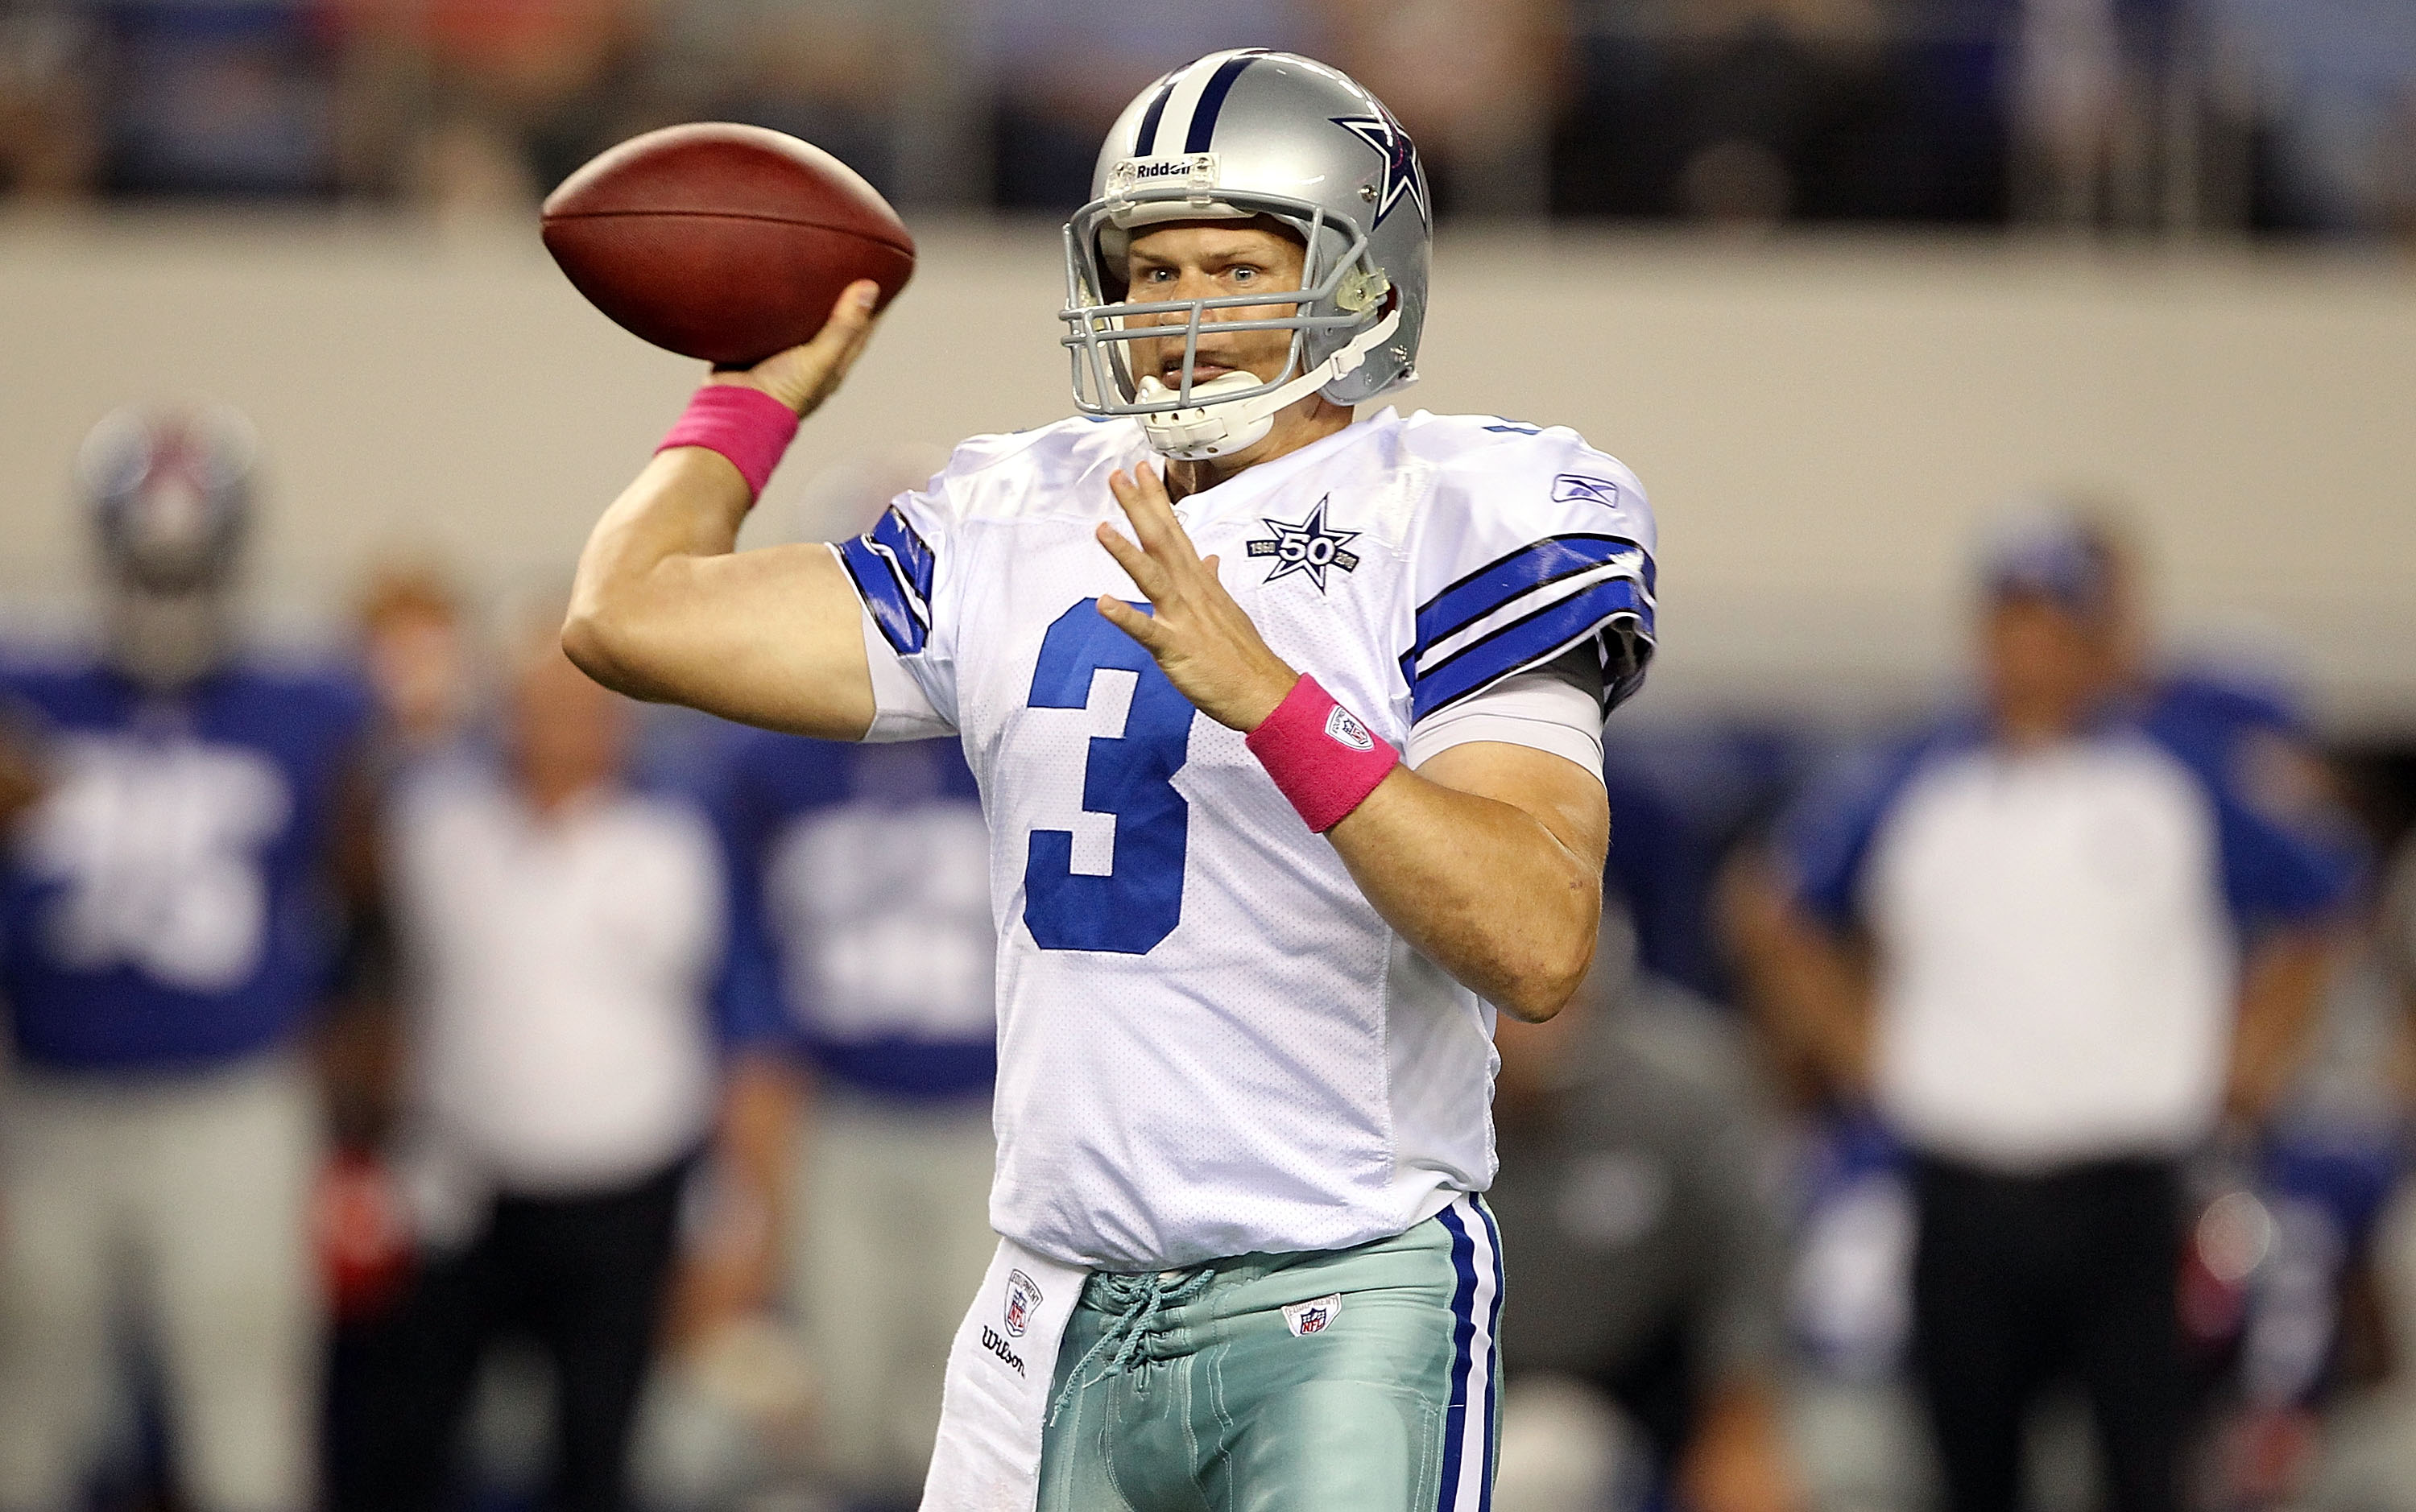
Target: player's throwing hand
(1203,642)
(804,376)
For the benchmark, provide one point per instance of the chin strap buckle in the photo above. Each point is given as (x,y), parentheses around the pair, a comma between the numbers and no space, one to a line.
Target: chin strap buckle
(1214,427)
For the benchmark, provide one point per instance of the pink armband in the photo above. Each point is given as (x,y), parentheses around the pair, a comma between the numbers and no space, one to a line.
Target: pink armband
(1321,758)
(744,424)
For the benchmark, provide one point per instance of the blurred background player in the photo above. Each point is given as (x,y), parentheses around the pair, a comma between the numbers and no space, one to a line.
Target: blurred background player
(867,868)
(2395,929)
(2054,941)
(565,964)
(1635,1153)
(169,929)
(420,654)
(417,654)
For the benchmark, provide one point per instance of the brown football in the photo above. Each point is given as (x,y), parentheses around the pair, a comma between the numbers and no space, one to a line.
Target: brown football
(723,242)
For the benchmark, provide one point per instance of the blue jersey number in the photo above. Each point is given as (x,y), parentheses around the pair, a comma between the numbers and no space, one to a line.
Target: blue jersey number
(1131,775)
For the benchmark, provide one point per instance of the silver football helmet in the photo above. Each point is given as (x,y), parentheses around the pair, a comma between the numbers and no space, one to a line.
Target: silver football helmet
(170,492)
(1235,135)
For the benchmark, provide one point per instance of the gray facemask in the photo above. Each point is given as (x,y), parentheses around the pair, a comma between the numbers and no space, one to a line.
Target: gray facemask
(1234,136)
(171,496)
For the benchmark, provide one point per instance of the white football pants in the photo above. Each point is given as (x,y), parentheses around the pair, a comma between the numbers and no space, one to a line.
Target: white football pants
(180,1201)
(890,1233)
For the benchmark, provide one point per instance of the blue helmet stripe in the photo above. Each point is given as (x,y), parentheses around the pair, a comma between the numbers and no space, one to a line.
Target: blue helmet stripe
(1146,143)
(1212,99)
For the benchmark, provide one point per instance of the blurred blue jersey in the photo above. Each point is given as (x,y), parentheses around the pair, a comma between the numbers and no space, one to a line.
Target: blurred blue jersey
(864,873)
(166,905)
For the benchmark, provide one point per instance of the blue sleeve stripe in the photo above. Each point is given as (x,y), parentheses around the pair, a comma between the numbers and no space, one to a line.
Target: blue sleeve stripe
(908,549)
(1534,565)
(1526,641)
(877,582)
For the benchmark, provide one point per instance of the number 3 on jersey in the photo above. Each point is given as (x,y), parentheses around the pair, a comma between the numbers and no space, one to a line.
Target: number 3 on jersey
(1131,775)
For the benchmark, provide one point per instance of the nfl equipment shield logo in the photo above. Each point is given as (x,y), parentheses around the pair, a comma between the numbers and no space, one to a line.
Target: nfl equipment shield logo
(1312,1317)
(1022,1297)
(1343,728)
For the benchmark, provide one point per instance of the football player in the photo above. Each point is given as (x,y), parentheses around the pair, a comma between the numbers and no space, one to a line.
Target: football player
(1287,728)
(165,943)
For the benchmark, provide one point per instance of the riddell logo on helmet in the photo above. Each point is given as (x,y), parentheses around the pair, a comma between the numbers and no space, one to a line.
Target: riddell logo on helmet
(1197,167)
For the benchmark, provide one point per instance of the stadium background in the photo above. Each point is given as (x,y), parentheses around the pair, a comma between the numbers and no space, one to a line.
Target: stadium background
(1840,278)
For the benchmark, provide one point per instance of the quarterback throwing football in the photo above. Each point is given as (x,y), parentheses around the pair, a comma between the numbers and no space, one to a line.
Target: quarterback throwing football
(1288,726)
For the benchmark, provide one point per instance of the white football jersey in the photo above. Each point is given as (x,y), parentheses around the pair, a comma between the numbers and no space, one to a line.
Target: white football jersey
(1209,1042)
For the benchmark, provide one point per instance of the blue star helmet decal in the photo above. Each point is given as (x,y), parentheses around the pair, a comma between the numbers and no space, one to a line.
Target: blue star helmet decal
(1307,547)
(1403,178)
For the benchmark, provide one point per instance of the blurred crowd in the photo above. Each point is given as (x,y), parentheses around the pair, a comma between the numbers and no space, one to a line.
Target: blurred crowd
(2219,116)
(436,1082)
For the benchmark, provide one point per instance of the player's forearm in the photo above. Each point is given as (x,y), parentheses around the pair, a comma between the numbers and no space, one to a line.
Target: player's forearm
(1820,992)
(1810,989)
(2280,989)
(1480,887)
(761,1107)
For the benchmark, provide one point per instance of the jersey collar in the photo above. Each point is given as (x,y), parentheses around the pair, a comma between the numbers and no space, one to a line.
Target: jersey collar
(1252,482)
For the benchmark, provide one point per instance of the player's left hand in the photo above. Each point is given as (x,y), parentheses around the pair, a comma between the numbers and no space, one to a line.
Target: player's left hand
(1203,642)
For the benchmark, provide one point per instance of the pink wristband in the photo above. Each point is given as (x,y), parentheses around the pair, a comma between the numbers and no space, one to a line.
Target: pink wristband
(1321,755)
(744,424)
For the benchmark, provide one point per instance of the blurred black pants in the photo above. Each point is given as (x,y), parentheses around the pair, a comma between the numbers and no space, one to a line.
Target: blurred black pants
(582,1276)
(2021,1282)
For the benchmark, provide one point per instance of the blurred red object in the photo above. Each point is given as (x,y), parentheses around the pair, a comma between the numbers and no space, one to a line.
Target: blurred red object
(363,1235)
(2267,1456)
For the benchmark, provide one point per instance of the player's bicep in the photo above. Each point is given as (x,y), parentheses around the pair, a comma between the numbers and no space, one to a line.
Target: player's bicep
(771,637)
(1564,798)
(663,609)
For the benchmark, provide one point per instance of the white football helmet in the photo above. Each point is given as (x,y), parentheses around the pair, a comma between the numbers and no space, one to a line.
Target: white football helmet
(1235,135)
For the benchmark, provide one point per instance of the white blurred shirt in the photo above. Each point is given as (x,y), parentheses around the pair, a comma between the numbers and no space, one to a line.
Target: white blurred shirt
(2058,966)
(560,969)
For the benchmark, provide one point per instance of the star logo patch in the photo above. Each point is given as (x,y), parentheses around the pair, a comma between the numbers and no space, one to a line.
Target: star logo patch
(1307,547)
(1403,178)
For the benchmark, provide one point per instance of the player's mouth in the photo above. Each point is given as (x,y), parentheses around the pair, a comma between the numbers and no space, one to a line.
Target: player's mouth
(1169,371)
